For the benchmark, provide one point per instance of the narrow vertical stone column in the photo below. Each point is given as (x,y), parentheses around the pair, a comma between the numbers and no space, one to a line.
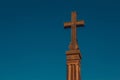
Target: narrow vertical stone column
(72,71)
(69,72)
(77,72)
(67,68)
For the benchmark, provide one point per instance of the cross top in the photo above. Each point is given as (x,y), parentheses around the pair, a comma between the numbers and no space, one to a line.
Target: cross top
(73,24)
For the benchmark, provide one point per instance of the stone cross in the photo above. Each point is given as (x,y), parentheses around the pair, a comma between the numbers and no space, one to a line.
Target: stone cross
(73,24)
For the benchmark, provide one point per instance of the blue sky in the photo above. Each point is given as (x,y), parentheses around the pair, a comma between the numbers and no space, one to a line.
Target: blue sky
(33,40)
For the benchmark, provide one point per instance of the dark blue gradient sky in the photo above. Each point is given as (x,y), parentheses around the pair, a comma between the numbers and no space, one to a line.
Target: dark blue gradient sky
(33,40)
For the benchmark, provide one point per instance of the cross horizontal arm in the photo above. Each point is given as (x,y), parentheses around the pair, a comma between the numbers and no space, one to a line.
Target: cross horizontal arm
(67,24)
(80,23)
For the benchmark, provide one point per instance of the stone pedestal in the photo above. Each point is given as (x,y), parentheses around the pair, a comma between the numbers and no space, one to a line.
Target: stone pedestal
(73,64)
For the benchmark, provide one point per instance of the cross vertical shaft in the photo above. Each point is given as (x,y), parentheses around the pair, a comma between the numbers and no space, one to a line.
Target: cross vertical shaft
(73,30)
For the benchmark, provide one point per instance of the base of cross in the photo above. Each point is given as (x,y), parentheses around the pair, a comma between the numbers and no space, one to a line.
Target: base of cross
(73,46)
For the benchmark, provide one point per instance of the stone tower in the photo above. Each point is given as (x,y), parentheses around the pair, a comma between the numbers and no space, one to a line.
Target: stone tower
(73,54)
